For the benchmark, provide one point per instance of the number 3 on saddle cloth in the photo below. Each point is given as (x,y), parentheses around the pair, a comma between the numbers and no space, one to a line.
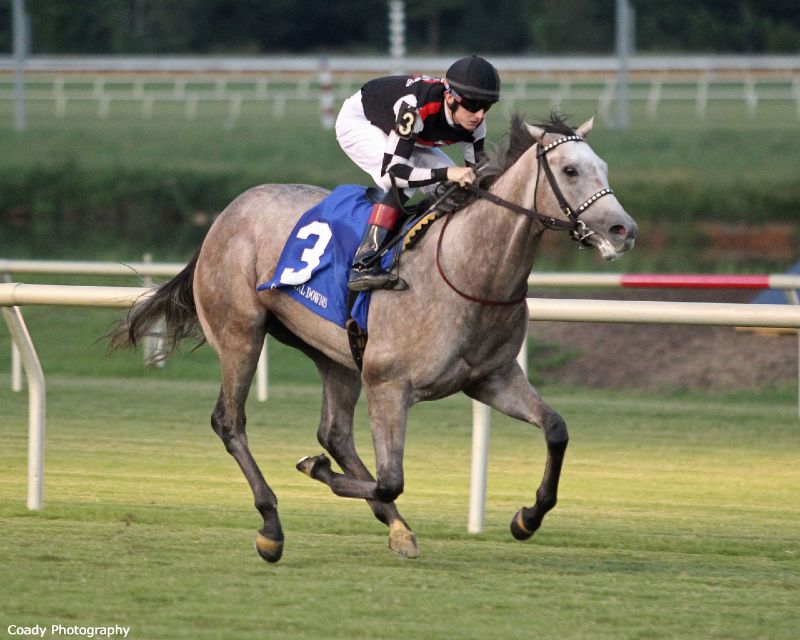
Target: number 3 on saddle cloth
(316,260)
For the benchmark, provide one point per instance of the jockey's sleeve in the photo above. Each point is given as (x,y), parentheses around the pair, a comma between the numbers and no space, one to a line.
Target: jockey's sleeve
(400,146)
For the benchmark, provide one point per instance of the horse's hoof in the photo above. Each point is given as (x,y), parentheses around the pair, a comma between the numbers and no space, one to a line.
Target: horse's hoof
(307,464)
(403,542)
(518,528)
(269,550)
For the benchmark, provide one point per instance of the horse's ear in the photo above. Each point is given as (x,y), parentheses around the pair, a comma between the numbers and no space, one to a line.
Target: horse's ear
(585,128)
(536,132)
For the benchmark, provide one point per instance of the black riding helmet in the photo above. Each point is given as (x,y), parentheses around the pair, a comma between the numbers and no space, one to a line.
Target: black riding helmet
(475,79)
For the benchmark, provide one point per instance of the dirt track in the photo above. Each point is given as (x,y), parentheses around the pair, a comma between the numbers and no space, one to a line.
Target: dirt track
(665,357)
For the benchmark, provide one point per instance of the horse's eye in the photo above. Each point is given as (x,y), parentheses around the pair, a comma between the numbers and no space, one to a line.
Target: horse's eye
(571,171)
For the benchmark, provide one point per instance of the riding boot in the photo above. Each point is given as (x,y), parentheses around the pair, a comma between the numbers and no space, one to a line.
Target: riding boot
(367,272)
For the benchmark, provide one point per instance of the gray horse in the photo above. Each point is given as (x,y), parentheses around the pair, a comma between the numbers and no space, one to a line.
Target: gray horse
(458,327)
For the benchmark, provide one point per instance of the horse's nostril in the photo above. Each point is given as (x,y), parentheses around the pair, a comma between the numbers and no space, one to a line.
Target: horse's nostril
(618,230)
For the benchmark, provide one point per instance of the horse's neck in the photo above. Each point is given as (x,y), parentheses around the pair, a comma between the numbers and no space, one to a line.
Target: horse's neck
(491,247)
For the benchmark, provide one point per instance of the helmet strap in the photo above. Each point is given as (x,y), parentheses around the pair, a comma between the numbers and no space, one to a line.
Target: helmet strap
(454,104)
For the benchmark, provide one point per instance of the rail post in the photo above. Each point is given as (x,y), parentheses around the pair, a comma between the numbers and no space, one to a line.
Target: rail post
(481,414)
(21,46)
(397,33)
(793,298)
(36,404)
(262,373)
(327,118)
(154,341)
(16,362)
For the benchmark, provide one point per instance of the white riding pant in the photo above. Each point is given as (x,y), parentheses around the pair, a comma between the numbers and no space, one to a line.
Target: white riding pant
(365,144)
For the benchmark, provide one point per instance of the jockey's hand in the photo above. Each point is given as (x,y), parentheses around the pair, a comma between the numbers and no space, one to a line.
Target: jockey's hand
(461,175)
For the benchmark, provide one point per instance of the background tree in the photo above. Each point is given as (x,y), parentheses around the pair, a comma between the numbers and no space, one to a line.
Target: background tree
(359,26)
(580,26)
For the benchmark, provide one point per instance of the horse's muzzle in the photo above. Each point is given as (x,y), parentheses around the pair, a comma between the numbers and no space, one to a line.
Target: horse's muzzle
(616,239)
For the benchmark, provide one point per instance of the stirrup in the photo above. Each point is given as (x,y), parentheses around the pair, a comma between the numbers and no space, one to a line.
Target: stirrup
(375,279)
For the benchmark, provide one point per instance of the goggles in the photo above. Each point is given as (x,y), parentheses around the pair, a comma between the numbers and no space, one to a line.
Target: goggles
(471,105)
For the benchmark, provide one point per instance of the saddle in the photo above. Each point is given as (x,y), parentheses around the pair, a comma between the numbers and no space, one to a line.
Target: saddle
(448,198)
(315,261)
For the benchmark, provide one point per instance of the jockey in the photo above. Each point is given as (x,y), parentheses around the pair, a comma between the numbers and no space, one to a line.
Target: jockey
(392,127)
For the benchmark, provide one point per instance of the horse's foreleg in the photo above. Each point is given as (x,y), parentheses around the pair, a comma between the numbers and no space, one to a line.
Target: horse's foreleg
(509,392)
(388,415)
(341,390)
(388,434)
(336,436)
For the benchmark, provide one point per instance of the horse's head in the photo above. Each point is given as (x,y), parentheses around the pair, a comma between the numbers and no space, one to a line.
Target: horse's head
(577,186)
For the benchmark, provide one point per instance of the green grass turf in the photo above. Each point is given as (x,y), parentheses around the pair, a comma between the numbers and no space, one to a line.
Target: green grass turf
(677,516)
(673,162)
(291,146)
(673,172)
(677,519)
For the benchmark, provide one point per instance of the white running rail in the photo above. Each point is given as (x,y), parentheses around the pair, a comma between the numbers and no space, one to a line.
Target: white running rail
(15,294)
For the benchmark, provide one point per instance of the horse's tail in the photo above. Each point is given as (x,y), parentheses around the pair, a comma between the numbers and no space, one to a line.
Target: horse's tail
(172,302)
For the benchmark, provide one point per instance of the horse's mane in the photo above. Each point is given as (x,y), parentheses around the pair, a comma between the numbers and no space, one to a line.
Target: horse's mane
(517,142)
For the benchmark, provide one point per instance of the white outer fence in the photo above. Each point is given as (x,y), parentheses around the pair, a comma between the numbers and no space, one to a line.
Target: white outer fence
(538,279)
(144,270)
(383,64)
(14,294)
(67,267)
(782,281)
(790,284)
(11,296)
(234,81)
(621,311)
(107,97)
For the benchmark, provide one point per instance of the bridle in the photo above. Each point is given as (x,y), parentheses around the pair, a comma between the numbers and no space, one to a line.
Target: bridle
(577,229)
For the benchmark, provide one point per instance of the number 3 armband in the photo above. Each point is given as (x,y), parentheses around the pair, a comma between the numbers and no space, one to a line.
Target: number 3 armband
(406,121)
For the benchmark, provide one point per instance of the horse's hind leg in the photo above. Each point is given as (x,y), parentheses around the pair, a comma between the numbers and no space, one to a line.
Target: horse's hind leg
(509,391)
(341,389)
(239,347)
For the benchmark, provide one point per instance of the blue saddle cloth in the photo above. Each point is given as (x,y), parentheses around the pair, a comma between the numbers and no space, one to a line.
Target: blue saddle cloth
(315,263)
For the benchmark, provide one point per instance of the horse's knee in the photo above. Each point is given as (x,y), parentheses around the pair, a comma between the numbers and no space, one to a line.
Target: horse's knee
(389,490)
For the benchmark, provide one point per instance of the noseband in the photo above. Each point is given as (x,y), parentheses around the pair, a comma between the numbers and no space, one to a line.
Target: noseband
(578,230)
